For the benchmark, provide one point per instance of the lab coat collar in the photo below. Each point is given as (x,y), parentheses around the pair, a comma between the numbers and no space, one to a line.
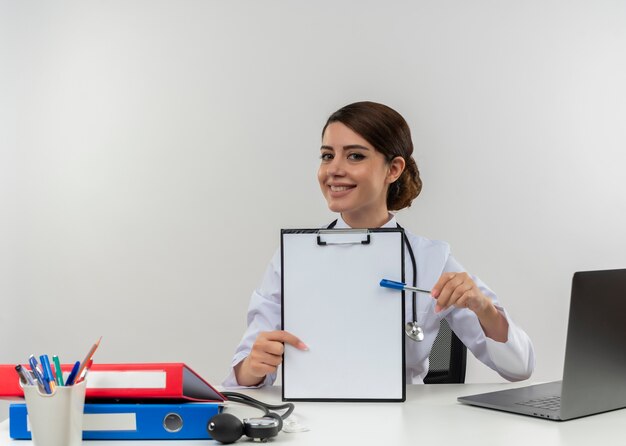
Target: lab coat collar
(341,224)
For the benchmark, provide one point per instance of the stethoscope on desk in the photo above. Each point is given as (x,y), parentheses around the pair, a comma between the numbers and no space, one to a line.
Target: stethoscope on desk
(412,329)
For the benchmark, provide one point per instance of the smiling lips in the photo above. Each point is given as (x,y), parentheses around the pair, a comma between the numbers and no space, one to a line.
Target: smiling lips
(340,189)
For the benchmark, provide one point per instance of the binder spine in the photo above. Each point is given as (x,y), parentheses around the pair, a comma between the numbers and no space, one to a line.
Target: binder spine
(148,421)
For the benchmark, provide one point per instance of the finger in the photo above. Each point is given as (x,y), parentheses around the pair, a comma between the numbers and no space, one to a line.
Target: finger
(444,299)
(262,363)
(265,345)
(267,358)
(261,369)
(474,300)
(445,277)
(464,290)
(464,301)
(286,337)
(268,347)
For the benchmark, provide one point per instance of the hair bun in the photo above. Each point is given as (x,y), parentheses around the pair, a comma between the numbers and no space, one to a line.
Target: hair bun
(406,188)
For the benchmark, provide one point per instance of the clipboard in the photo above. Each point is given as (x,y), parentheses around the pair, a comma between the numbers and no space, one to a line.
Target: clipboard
(332,300)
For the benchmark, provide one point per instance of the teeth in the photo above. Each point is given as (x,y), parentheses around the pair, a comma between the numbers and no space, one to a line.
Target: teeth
(339,188)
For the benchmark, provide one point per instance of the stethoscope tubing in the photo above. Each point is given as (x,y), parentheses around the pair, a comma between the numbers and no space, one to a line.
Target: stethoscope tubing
(414,265)
(414,290)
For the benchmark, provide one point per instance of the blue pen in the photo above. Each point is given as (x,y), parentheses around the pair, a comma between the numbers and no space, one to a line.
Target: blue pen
(73,373)
(34,367)
(47,371)
(400,286)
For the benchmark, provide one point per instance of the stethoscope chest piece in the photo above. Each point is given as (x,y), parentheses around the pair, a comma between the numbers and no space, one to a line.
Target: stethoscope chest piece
(414,331)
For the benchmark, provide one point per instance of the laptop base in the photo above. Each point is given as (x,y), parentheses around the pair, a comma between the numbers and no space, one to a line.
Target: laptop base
(520,400)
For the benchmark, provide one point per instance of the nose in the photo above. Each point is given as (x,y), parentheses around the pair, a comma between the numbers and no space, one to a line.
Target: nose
(336,167)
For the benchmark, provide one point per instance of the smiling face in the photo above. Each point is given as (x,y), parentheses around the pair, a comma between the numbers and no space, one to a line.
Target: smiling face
(354,177)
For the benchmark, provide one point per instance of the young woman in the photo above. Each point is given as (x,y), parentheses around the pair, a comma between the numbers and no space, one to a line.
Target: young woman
(366,171)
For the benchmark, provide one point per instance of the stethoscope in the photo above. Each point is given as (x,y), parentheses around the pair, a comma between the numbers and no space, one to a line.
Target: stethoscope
(412,329)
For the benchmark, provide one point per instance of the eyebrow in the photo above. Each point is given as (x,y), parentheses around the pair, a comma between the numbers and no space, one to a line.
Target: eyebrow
(348,147)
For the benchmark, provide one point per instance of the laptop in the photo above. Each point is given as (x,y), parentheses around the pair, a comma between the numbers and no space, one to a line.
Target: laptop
(594,373)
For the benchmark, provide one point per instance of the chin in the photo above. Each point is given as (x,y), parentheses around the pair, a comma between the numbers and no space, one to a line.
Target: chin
(336,207)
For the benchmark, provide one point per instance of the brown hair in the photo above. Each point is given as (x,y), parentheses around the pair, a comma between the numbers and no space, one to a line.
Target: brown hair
(386,130)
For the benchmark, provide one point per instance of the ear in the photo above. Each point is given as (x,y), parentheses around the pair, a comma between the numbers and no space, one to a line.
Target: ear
(396,167)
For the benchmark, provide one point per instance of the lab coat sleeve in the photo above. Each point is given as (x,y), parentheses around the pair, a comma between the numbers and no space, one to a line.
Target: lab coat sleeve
(514,359)
(263,315)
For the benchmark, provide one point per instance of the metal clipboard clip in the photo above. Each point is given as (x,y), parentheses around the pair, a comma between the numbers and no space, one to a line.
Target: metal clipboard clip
(344,236)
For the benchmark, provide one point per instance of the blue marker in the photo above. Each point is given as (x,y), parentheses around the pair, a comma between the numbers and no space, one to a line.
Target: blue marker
(73,373)
(40,379)
(400,286)
(47,371)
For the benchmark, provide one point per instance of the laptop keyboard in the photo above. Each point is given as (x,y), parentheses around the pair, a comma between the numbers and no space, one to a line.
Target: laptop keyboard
(548,403)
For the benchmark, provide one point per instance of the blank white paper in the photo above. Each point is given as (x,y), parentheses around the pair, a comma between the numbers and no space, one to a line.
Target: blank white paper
(353,327)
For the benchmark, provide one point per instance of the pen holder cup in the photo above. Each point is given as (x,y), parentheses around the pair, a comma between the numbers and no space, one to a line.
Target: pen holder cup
(56,419)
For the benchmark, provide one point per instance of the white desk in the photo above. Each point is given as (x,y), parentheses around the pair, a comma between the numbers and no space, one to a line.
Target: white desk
(430,416)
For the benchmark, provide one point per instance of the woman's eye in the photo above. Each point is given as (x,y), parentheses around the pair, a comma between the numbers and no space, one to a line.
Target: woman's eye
(326,156)
(356,156)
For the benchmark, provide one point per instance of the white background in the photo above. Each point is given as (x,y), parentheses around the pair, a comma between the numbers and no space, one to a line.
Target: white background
(150,152)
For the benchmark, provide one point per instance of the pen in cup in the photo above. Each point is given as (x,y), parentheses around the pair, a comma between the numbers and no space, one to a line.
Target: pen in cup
(58,370)
(47,372)
(83,375)
(41,382)
(73,373)
(86,362)
(24,376)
